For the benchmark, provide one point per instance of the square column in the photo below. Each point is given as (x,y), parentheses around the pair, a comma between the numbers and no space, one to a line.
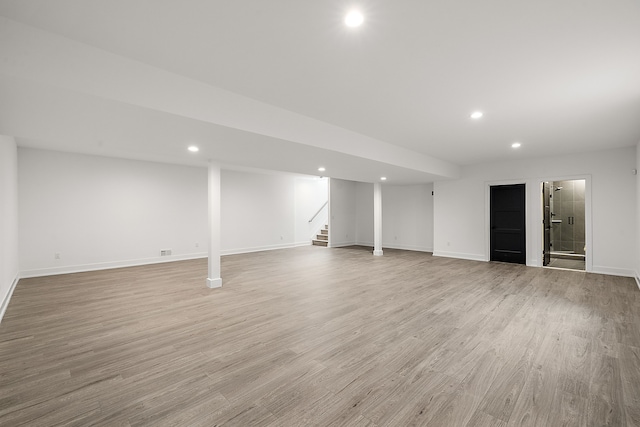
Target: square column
(214,280)
(377,219)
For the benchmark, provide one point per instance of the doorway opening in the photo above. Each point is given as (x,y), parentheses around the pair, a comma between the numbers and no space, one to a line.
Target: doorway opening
(564,241)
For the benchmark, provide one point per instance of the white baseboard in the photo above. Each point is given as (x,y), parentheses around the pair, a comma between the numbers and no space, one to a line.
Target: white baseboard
(611,271)
(237,251)
(7,297)
(144,261)
(343,244)
(637,277)
(407,248)
(384,246)
(107,265)
(460,255)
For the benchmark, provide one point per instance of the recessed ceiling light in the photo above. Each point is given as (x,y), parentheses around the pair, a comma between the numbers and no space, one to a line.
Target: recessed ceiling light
(383,178)
(193,149)
(516,145)
(321,169)
(353,19)
(476,115)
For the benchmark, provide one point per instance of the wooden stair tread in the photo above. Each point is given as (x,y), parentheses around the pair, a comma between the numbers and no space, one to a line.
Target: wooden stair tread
(322,239)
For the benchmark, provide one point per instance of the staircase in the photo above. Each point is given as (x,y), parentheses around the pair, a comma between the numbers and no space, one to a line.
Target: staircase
(322,239)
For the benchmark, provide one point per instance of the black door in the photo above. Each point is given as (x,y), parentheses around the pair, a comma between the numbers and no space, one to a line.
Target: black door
(508,223)
(546,222)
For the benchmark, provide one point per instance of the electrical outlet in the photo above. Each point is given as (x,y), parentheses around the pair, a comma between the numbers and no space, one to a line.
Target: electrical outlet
(197,245)
(56,255)
(165,252)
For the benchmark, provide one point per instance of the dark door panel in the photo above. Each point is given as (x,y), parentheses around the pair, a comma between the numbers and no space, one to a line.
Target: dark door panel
(507,209)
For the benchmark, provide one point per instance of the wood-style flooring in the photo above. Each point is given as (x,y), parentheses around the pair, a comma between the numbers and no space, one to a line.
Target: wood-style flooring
(319,336)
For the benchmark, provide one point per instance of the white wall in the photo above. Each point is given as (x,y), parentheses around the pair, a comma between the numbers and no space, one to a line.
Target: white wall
(262,211)
(407,217)
(351,220)
(98,212)
(8,220)
(364,214)
(257,211)
(342,214)
(461,206)
(310,194)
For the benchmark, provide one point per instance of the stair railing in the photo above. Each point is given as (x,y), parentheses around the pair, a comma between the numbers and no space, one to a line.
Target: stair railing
(319,210)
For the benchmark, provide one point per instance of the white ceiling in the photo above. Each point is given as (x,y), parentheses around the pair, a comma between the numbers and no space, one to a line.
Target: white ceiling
(391,97)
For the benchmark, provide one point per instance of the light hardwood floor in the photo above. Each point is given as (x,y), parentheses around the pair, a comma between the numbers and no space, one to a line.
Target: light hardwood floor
(323,337)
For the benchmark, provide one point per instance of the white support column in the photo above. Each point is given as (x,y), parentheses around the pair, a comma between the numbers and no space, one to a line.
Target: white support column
(214,280)
(377,219)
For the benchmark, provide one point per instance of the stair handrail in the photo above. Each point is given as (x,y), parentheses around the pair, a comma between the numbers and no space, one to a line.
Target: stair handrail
(319,210)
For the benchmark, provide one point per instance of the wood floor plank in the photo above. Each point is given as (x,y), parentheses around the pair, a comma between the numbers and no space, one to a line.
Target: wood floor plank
(482,419)
(605,405)
(467,398)
(572,411)
(629,371)
(500,399)
(575,365)
(323,336)
(415,402)
(540,391)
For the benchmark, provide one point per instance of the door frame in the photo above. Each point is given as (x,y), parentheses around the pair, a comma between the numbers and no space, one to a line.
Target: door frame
(588,224)
(533,217)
